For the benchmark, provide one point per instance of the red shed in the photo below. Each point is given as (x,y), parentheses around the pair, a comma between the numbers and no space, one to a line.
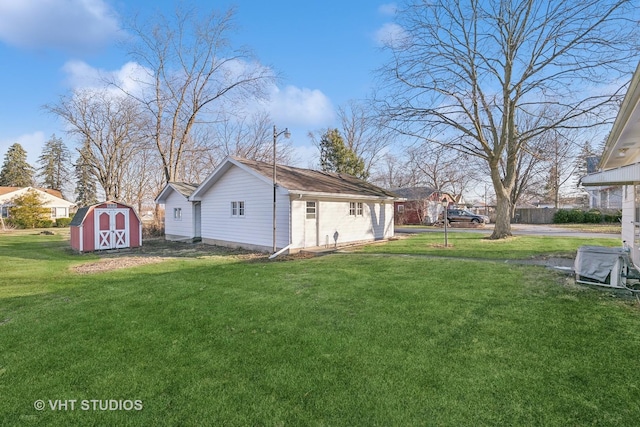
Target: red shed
(106,225)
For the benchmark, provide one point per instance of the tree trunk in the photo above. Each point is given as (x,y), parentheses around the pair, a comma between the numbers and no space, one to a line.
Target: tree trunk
(502,228)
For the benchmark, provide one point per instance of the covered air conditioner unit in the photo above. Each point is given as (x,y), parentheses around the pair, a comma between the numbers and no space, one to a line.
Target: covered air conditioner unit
(602,266)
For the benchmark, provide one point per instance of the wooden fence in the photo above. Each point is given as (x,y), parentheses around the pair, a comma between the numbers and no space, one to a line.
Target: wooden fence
(534,215)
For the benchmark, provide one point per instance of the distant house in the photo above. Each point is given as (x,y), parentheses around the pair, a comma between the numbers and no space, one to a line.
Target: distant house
(52,199)
(235,207)
(602,197)
(420,205)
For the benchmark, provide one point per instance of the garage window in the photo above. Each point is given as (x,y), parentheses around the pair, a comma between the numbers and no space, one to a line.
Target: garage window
(355,208)
(237,209)
(311,210)
(177,214)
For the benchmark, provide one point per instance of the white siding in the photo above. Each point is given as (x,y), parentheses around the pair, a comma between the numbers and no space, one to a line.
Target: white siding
(628,220)
(255,229)
(178,229)
(297,222)
(375,223)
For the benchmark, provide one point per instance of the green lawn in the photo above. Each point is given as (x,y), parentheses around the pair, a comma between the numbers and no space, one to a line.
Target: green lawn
(474,245)
(344,339)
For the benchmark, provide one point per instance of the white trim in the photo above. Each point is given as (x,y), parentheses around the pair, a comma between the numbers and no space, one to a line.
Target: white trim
(177,214)
(626,118)
(162,197)
(301,194)
(112,238)
(625,175)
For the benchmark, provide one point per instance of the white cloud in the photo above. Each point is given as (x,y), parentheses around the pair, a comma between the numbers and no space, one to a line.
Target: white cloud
(81,75)
(390,34)
(306,156)
(293,106)
(31,142)
(388,9)
(68,25)
(129,77)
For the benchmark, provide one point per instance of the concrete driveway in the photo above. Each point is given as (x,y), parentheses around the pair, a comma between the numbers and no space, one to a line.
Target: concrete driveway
(516,229)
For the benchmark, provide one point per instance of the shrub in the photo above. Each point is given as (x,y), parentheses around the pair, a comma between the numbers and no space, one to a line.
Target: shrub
(561,217)
(11,223)
(45,223)
(63,222)
(593,216)
(613,217)
(576,216)
(152,229)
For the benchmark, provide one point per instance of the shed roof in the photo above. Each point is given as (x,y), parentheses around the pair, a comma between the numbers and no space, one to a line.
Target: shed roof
(79,216)
(83,212)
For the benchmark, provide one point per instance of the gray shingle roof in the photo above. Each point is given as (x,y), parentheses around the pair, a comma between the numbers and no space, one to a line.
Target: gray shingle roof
(415,193)
(79,216)
(184,188)
(307,180)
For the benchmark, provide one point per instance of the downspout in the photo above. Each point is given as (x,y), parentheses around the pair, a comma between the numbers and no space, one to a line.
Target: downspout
(272,256)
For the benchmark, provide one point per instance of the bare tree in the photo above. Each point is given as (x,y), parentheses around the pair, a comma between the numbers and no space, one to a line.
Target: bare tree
(140,176)
(465,73)
(530,179)
(249,136)
(191,69)
(443,169)
(364,133)
(561,165)
(391,172)
(234,134)
(109,127)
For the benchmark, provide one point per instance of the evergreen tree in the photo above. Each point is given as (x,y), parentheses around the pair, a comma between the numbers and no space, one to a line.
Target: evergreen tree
(54,164)
(16,172)
(335,156)
(86,192)
(586,160)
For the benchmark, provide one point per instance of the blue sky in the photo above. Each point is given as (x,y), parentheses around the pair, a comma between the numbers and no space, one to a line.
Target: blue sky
(326,52)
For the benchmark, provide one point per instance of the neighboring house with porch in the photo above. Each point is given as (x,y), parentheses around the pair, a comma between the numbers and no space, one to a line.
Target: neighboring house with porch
(420,205)
(51,199)
(605,197)
(620,165)
(236,205)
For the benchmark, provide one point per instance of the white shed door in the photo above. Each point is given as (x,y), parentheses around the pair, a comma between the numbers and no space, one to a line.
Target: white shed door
(311,224)
(111,228)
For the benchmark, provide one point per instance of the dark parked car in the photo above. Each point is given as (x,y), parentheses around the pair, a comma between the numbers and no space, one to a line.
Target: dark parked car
(460,215)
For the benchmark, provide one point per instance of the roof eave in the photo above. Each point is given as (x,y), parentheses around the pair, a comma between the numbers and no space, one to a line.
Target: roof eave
(303,193)
(627,108)
(625,175)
